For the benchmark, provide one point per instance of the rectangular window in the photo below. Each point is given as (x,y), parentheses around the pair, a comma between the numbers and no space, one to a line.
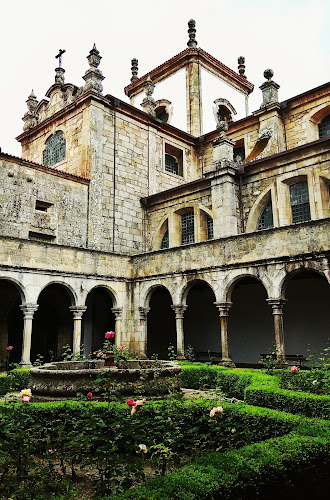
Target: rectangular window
(299,202)
(187,228)
(42,206)
(173,160)
(209,228)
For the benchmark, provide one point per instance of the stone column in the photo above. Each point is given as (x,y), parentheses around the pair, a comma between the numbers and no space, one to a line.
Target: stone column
(28,312)
(277,310)
(224,313)
(117,311)
(179,312)
(77,312)
(194,98)
(143,323)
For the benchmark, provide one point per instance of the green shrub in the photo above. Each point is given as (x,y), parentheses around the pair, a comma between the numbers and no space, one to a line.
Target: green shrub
(273,469)
(5,385)
(19,378)
(313,381)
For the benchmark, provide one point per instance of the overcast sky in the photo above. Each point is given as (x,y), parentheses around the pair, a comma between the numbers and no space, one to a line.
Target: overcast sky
(290,36)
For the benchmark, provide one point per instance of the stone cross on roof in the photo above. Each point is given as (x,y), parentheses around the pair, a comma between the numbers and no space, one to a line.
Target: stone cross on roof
(59,57)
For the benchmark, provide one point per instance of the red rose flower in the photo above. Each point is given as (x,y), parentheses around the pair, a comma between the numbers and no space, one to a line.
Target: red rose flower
(10,348)
(294,369)
(109,335)
(89,395)
(131,402)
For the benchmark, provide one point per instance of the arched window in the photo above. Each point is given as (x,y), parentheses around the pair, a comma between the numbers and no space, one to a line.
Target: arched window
(300,202)
(165,240)
(171,165)
(55,149)
(209,224)
(187,228)
(324,127)
(266,218)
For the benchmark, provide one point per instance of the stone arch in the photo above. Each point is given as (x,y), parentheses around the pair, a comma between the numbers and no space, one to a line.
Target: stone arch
(52,326)
(161,327)
(12,296)
(312,120)
(189,284)
(72,293)
(201,323)
(98,317)
(159,233)
(297,268)
(250,325)
(258,207)
(306,311)
(231,282)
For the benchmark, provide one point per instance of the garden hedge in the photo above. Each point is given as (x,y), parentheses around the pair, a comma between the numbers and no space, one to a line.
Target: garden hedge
(256,388)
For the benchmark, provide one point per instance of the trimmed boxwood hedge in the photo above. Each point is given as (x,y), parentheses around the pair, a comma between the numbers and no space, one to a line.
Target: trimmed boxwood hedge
(256,388)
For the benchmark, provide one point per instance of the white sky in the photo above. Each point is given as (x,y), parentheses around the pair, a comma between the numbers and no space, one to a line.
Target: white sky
(290,36)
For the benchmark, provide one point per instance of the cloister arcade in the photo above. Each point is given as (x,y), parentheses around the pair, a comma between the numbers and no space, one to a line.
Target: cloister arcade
(238,313)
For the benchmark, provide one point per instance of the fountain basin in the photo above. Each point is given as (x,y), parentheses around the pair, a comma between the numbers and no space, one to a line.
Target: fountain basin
(67,378)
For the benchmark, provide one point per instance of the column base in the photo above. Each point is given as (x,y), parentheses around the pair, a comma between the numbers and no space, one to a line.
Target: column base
(227,362)
(180,357)
(24,364)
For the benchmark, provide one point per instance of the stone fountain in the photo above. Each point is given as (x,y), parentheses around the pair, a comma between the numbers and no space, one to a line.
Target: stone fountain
(67,378)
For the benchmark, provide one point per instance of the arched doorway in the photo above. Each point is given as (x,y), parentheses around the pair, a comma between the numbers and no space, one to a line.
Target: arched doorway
(201,323)
(11,323)
(97,319)
(250,325)
(161,328)
(306,313)
(52,326)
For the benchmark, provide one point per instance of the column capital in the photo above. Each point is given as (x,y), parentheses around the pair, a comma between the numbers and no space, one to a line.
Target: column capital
(223,307)
(77,311)
(277,305)
(143,313)
(29,310)
(117,311)
(179,310)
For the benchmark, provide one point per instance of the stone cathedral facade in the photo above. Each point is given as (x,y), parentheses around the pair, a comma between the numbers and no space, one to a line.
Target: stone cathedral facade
(114,219)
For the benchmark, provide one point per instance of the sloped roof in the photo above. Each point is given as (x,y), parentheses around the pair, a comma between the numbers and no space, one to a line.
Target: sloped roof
(179,61)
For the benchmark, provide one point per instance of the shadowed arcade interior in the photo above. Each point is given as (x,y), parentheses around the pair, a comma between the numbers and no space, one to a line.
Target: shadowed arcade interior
(161,329)
(11,323)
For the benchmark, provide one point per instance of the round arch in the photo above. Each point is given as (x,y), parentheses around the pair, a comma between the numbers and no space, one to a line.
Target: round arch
(306,312)
(232,282)
(187,287)
(250,325)
(161,327)
(52,326)
(12,296)
(71,292)
(98,317)
(201,323)
(258,207)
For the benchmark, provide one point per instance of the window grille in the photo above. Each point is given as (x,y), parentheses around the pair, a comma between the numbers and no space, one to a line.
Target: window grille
(187,228)
(239,154)
(171,165)
(324,127)
(165,240)
(55,149)
(299,202)
(209,223)
(266,218)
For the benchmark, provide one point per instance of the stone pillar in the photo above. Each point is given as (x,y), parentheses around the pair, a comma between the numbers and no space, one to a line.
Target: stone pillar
(143,323)
(77,312)
(179,312)
(224,313)
(277,310)
(28,312)
(194,98)
(117,311)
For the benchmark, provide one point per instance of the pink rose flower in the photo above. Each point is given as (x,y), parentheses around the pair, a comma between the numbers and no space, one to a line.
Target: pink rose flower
(10,348)
(294,369)
(120,348)
(89,395)
(109,335)
(26,399)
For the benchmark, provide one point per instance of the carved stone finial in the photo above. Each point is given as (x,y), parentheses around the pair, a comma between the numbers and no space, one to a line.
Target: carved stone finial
(93,76)
(268,74)
(241,66)
(31,118)
(148,103)
(269,89)
(134,69)
(59,71)
(192,42)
